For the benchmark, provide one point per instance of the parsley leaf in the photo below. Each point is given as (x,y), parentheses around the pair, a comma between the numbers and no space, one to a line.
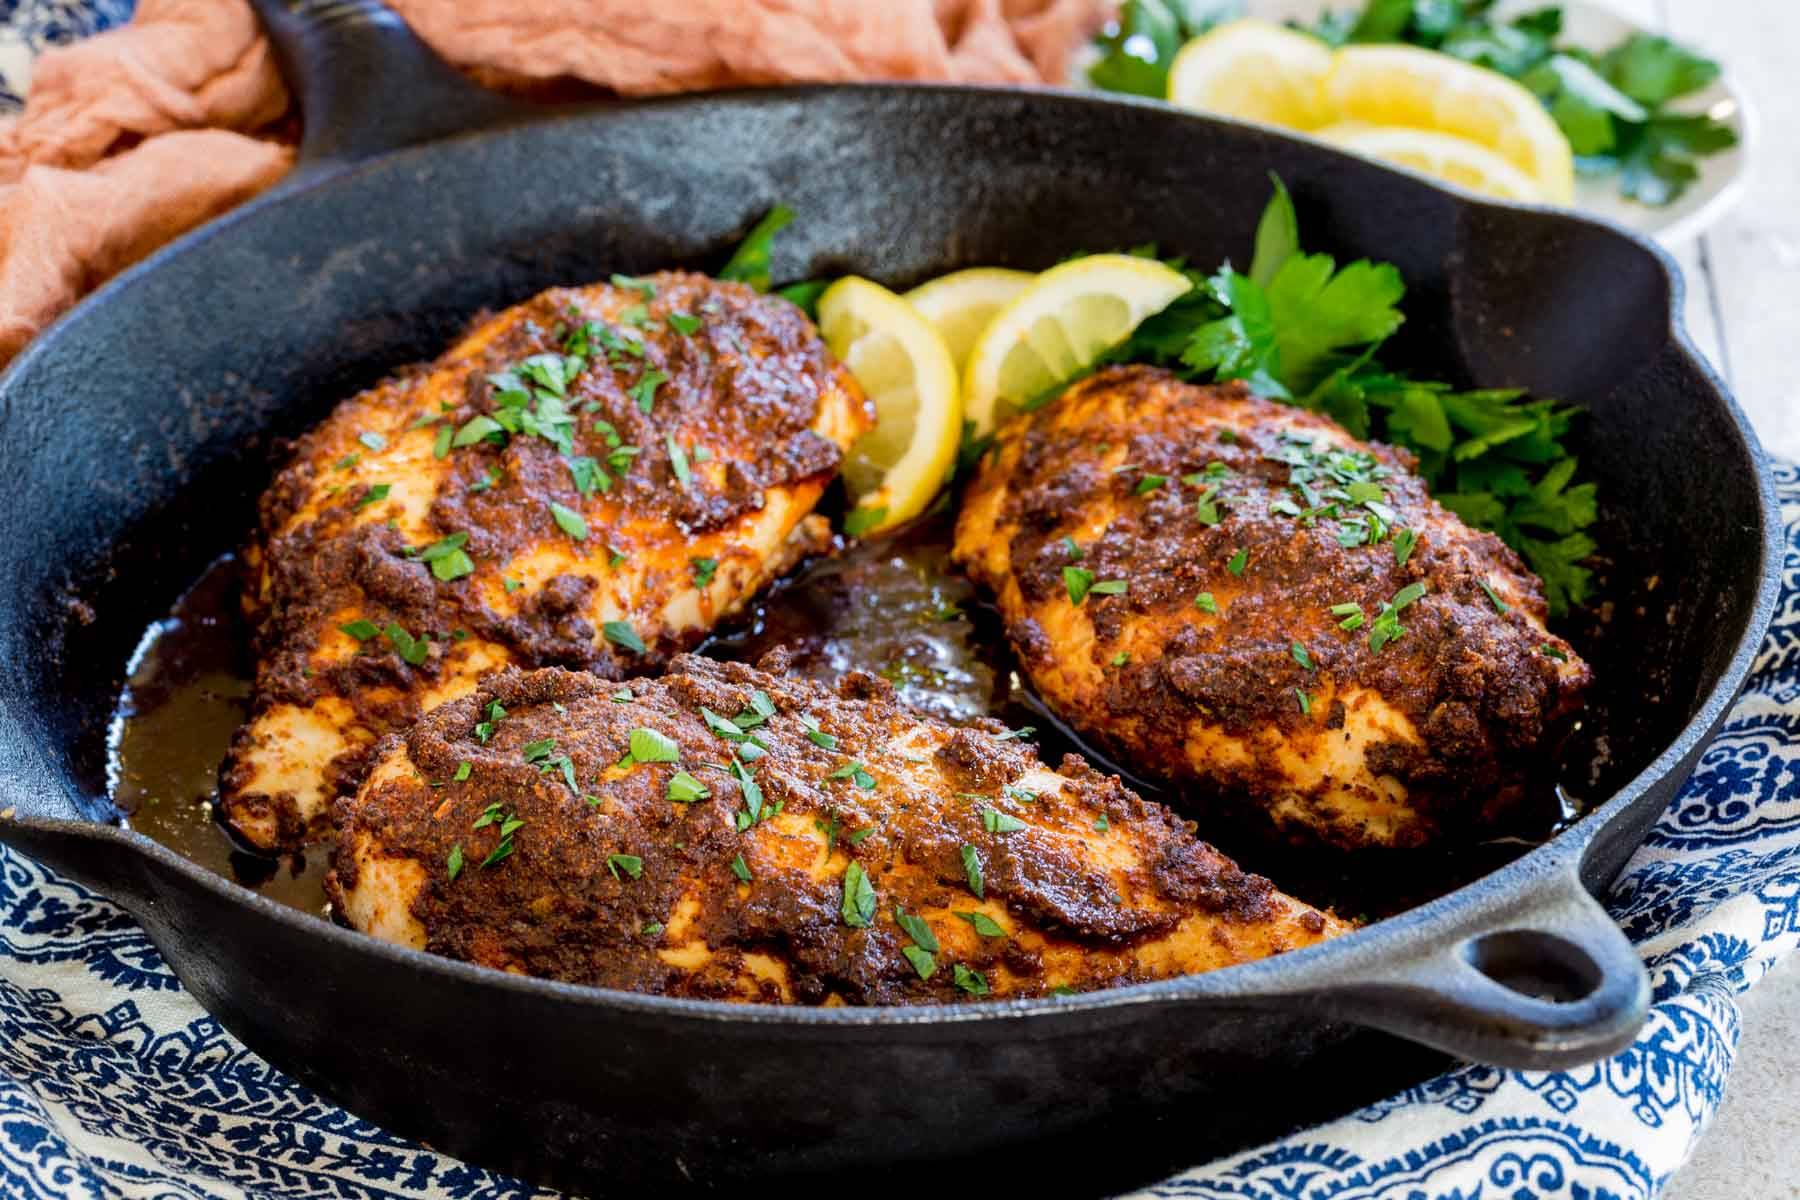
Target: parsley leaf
(749,263)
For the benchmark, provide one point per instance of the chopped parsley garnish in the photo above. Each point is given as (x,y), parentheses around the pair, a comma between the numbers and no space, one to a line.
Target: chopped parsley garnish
(921,960)
(637,316)
(569,521)
(620,458)
(678,461)
(1148,484)
(857,837)
(346,462)
(453,865)
(622,696)
(649,746)
(984,925)
(1302,657)
(971,861)
(862,519)
(749,263)
(622,635)
(633,283)
(752,793)
(1300,329)
(704,569)
(486,481)
(685,789)
(1500,606)
(1101,824)
(970,980)
(643,392)
(1387,627)
(652,928)
(588,476)
(1238,562)
(511,585)
(1351,616)
(485,729)
(1078,580)
(1555,652)
(447,558)
(1404,541)
(376,493)
(1075,552)
(917,929)
(858,907)
(413,651)
(995,821)
(360,629)
(1121,658)
(1019,734)
(1206,506)
(1109,587)
(440,447)
(740,868)
(475,429)
(686,324)
(856,773)
(1305,702)
(815,735)
(462,771)
(631,864)
(1205,603)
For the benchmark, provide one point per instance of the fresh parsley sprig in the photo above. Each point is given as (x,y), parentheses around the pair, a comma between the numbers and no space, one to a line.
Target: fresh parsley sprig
(1297,327)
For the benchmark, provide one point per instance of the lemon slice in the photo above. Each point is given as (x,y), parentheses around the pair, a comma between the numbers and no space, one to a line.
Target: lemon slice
(1255,70)
(1438,154)
(1065,320)
(960,305)
(895,469)
(1422,89)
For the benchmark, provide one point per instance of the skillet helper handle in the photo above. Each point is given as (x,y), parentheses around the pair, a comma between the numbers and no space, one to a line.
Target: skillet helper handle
(367,84)
(1547,983)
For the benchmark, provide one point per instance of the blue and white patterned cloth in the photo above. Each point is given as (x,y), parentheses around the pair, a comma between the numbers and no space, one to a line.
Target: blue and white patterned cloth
(113,1082)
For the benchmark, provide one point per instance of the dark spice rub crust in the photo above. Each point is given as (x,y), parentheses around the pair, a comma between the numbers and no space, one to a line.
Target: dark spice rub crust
(620,464)
(1280,619)
(864,809)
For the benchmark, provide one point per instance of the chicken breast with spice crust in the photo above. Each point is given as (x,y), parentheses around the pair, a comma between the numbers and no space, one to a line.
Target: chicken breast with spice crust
(590,479)
(729,833)
(1238,597)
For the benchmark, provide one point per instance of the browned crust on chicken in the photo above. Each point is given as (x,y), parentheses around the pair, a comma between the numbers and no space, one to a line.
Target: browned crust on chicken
(697,496)
(1442,727)
(1095,887)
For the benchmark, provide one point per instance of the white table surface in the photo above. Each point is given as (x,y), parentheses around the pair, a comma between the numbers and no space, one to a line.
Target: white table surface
(1743,309)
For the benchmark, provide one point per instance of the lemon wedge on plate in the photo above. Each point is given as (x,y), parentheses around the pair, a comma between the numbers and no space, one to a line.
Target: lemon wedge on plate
(1451,159)
(1422,89)
(895,469)
(960,305)
(1255,70)
(1066,319)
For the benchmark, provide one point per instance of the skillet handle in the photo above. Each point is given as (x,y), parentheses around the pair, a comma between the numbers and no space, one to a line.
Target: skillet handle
(1547,983)
(366,84)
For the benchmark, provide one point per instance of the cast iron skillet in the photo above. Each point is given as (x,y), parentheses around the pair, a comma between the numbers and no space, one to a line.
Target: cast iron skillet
(136,436)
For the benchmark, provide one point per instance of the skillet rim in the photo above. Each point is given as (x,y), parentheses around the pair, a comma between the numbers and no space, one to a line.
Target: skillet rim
(1296,974)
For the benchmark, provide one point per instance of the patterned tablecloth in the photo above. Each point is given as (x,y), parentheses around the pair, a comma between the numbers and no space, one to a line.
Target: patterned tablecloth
(113,1082)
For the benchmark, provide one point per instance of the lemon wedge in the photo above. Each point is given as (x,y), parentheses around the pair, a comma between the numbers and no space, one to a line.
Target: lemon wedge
(960,305)
(1255,70)
(895,469)
(1422,89)
(1066,319)
(1451,159)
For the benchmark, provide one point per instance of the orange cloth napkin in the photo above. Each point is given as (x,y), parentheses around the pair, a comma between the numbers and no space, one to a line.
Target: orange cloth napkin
(135,136)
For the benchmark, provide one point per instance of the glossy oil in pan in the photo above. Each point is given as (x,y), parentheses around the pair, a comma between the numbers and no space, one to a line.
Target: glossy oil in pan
(138,433)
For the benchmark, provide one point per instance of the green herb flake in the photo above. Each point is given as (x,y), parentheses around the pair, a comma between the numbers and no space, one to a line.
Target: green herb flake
(649,746)
(971,861)
(622,635)
(360,629)
(453,865)
(440,446)
(413,651)
(1238,562)
(631,864)
(462,771)
(856,773)
(685,789)
(858,907)
(984,925)
(1101,824)
(921,960)
(750,262)
(1121,658)
(1500,606)
(995,821)
(704,569)
(686,324)
(377,492)
(1305,702)
(569,521)
(740,868)
(1109,587)
(1079,581)
(1404,542)
(1075,552)
(1555,652)
(1148,484)
(643,392)
(970,980)
(1205,603)
(917,929)
(373,441)
(1302,657)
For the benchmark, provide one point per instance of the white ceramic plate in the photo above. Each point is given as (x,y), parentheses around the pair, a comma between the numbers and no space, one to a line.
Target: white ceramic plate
(1590,24)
